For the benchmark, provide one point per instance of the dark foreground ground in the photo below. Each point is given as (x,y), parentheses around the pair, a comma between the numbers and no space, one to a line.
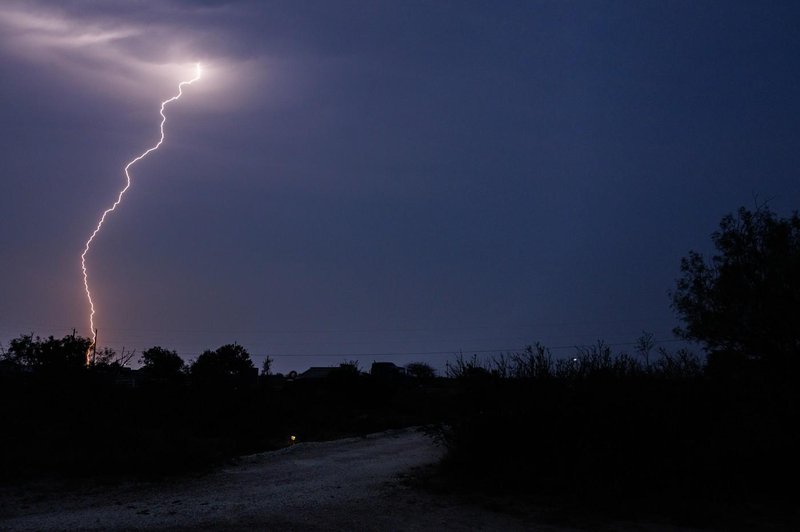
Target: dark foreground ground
(591,442)
(365,483)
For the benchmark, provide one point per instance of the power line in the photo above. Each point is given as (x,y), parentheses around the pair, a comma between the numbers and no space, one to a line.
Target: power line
(460,351)
(451,352)
(183,348)
(510,339)
(355,330)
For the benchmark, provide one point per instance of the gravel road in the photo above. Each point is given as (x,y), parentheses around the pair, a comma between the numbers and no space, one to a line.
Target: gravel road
(349,484)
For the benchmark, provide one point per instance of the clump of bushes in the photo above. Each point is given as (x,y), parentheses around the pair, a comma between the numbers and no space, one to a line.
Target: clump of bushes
(619,432)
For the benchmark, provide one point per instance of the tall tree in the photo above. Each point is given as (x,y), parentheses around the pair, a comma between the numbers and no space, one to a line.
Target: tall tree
(744,302)
(228,364)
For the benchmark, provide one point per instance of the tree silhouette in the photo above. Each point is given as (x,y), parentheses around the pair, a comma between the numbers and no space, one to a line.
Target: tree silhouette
(744,303)
(227,365)
(162,363)
(50,354)
(266,366)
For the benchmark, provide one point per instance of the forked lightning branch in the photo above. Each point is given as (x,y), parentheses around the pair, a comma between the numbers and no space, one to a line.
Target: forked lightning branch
(111,209)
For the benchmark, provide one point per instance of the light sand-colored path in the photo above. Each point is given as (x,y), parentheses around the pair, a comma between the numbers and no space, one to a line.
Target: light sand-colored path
(349,484)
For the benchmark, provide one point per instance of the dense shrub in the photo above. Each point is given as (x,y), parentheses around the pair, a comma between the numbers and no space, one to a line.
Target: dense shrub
(604,430)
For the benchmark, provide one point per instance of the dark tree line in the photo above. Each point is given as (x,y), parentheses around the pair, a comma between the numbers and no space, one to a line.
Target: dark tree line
(59,415)
(49,354)
(227,365)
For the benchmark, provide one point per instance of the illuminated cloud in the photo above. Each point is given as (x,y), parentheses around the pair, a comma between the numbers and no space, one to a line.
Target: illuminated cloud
(123,48)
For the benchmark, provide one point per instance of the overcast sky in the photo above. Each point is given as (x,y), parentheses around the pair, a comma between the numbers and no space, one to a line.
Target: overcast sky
(361,178)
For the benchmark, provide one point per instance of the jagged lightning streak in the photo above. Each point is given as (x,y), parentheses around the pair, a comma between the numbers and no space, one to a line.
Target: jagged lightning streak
(119,200)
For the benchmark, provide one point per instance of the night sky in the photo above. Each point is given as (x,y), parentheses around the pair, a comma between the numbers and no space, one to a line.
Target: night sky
(362,178)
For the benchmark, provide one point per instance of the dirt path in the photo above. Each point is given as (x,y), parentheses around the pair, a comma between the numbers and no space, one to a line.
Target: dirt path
(350,484)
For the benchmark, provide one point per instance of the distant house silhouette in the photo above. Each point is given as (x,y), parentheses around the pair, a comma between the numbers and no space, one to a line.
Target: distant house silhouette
(316,373)
(386,370)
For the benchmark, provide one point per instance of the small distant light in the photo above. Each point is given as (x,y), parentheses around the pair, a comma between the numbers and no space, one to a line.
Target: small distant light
(293,438)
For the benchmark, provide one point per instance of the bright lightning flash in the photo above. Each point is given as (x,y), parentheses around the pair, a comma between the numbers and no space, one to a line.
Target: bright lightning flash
(119,200)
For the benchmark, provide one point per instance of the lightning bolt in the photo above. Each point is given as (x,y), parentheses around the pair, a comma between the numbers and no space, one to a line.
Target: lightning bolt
(111,209)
